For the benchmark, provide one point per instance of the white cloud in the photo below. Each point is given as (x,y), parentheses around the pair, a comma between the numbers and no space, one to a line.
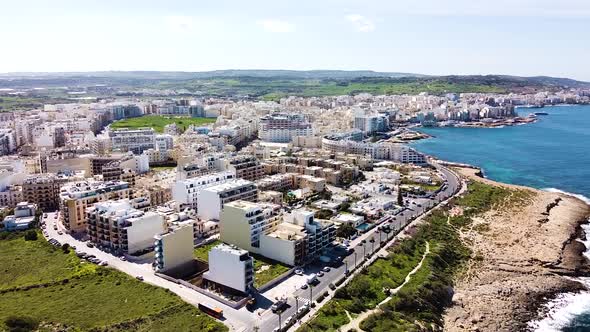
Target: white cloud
(361,23)
(276,25)
(179,23)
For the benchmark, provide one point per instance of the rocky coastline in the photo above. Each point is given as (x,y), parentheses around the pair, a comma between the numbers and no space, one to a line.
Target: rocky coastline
(527,255)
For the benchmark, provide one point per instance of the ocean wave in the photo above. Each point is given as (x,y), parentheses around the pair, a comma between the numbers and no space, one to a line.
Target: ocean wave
(578,196)
(564,309)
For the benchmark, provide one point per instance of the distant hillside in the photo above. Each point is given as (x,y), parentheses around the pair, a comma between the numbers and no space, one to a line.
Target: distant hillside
(274,84)
(181,75)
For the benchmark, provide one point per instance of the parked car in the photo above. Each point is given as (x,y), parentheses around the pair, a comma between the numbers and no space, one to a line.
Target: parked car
(103,264)
(89,245)
(320,274)
(55,227)
(140,278)
(304,286)
(60,232)
(299,272)
(326,269)
(332,286)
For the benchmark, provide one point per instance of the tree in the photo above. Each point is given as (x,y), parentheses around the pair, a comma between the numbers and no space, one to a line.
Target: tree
(324,214)
(344,206)
(65,248)
(345,231)
(21,323)
(400,197)
(30,235)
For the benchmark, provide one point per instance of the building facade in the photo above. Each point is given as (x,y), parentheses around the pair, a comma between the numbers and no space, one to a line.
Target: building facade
(120,227)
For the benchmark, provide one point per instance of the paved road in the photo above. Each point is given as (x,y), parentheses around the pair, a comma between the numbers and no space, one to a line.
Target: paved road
(270,321)
(263,318)
(236,320)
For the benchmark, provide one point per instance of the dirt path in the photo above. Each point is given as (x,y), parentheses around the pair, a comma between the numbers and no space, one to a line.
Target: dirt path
(355,323)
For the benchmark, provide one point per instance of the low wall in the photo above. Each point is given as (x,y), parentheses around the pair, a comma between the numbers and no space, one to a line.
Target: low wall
(216,297)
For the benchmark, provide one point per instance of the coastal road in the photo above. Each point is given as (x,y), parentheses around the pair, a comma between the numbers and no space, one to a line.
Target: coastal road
(364,253)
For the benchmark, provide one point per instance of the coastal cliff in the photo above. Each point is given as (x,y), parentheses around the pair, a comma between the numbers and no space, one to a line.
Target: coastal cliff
(524,252)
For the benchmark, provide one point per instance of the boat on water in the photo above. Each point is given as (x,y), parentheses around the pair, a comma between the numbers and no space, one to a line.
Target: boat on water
(541,113)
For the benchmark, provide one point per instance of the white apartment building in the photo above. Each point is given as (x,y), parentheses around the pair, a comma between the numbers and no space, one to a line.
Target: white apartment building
(212,199)
(287,244)
(134,140)
(185,191)
(164,142)
(174,248)
(385,151)
(137,163)
(281,127)
(292,239)
(231,267)
(117,225)
(242,223)
(370,123)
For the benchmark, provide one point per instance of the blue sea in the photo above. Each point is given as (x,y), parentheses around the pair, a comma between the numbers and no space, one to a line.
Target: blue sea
(551,154)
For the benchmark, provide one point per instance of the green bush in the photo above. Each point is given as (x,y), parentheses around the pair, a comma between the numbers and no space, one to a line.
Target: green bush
(21,323)
(30,235)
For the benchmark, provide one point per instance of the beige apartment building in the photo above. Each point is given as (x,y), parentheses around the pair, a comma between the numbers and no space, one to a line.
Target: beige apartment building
(75,197)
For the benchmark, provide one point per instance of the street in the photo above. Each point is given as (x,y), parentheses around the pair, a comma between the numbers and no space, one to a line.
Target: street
(364,248)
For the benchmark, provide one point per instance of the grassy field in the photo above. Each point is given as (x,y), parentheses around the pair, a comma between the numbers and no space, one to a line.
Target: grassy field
(265,269)
(202,252)
(158,122)
(28,103)
(64,292)
(420,302)
(423,186)
(161,168)
(273,88)
(25,263)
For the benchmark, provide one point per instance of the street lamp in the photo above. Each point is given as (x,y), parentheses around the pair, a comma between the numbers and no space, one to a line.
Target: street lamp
(372,245)
(355,259)
(364,250)
(279,314)
(296,303)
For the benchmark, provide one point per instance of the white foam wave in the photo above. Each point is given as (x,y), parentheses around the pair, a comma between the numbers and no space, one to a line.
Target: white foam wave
(578,196)
(562,310)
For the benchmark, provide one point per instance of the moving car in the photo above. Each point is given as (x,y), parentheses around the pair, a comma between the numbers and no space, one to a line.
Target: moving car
(279,305)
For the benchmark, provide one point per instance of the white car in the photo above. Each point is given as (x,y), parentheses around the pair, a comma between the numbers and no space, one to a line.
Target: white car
(299,272)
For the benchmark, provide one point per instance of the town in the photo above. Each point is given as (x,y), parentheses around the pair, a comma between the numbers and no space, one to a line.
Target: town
(256,212)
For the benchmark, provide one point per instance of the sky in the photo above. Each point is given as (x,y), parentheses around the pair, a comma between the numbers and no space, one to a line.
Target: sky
(438,37)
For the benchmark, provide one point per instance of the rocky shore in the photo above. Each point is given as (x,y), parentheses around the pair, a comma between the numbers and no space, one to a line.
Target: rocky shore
(524,253)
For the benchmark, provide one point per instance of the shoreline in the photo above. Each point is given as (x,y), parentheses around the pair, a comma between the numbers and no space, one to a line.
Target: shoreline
(531,257)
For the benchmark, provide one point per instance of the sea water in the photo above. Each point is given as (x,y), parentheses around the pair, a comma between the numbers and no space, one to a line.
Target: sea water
(551,154)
